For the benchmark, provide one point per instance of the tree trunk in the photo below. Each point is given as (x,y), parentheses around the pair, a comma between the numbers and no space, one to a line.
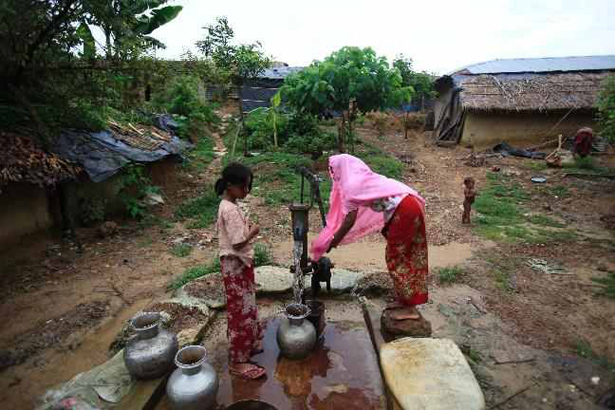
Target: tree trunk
(351,135)
(341,134)
(108,42)
(406,125)
(275,130)
(245,136)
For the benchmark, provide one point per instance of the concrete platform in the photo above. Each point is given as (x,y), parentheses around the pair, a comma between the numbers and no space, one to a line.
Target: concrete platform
(342,373)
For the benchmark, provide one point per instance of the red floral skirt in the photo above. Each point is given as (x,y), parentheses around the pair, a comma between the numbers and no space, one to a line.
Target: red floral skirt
(244,330)
(406,252)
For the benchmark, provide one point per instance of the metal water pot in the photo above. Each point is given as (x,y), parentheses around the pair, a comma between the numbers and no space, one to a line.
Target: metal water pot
(296,336)
(150,353)
(194,384)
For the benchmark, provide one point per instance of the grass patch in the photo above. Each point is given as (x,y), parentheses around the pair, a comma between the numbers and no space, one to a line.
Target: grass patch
(281,184)
(262,255)
(502,266)
(380,162)
(585,162)
(545,221)
(196,272)
(151,220)
(560,191)
(146,243)
(475,355)
(501,206)
(587,166)
(202,154)
(584,349)
(449,274)
(567,235)
(502,280)
(536,165)
(202,210)
(608,285)
(181,250)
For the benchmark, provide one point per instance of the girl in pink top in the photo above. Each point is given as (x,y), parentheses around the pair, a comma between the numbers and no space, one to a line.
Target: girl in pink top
(244,331)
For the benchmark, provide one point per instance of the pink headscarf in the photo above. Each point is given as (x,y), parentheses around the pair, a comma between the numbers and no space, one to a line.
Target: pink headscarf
(355,186)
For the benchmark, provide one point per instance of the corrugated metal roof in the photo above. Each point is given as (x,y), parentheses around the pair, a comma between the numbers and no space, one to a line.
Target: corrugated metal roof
(541,65)
(279,72)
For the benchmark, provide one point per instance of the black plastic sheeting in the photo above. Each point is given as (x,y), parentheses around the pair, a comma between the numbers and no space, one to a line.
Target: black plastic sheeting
(506,150)
(102,156)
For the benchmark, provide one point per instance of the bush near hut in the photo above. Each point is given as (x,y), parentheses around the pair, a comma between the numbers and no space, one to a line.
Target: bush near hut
(296,132)
(201,211)
(606,109)
(135,185)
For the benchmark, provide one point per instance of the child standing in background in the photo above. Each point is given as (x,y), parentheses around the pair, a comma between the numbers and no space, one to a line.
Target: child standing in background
(469,192)
(244,331)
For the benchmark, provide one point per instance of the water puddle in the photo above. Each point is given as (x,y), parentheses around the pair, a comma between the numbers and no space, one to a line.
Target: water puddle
(342,372)
(369,255)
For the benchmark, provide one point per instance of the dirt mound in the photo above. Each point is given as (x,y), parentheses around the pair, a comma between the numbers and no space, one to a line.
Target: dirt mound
(52,332)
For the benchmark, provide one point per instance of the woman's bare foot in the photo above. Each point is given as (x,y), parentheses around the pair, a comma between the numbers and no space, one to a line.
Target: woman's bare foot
(248,371)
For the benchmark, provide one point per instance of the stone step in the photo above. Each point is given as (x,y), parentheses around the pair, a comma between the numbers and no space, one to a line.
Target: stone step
(270,280)
(425,373)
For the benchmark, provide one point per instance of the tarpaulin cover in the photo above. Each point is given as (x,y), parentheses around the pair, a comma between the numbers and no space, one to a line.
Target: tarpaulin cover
(506,150)
(102,156)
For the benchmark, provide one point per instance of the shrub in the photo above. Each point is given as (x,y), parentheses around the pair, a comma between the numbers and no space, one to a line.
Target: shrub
(262,255)
(202,209)
(297,133)
(606,109)
(449,274)
(181,250)
(196,272)
(135,185)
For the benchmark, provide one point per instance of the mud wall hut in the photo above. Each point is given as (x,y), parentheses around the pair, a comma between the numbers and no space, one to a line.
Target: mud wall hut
(28,177)
(520,101)
(80,174)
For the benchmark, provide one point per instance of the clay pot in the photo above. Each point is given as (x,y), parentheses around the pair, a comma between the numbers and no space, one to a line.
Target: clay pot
(150,353)
(296,336)
(194,384)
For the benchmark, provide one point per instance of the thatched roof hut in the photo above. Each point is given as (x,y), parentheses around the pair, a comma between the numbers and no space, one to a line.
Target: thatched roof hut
(22,160)
(480,107)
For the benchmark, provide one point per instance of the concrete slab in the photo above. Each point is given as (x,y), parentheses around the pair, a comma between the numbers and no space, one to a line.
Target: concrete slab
(429,374)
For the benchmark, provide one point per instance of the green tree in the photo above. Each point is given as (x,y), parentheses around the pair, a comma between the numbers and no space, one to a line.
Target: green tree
(606,109)
(349,81)
(49,78)
(127,24)
(421,82)
(238,62)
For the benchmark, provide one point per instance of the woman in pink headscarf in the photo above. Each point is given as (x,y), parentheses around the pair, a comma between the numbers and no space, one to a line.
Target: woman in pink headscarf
(363,202)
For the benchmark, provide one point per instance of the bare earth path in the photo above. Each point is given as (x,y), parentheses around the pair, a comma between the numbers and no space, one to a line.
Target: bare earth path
(60,309)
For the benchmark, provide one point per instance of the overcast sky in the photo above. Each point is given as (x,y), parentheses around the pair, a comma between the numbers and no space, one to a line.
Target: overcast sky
(439,35)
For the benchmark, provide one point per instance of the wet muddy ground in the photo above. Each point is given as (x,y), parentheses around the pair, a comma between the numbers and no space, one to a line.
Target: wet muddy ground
(534,340)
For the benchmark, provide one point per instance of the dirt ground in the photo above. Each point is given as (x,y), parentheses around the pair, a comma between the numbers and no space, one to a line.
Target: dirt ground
(524,331)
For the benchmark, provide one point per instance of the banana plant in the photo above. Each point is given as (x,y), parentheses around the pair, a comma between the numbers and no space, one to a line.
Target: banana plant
(275,103)
(89,44)
(130,22)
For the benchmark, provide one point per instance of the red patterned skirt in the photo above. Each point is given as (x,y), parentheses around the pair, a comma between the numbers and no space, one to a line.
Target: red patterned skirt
(244,330)
(406,252)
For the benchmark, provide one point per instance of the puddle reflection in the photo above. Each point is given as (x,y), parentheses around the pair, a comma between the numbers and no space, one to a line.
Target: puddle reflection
(342,372)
